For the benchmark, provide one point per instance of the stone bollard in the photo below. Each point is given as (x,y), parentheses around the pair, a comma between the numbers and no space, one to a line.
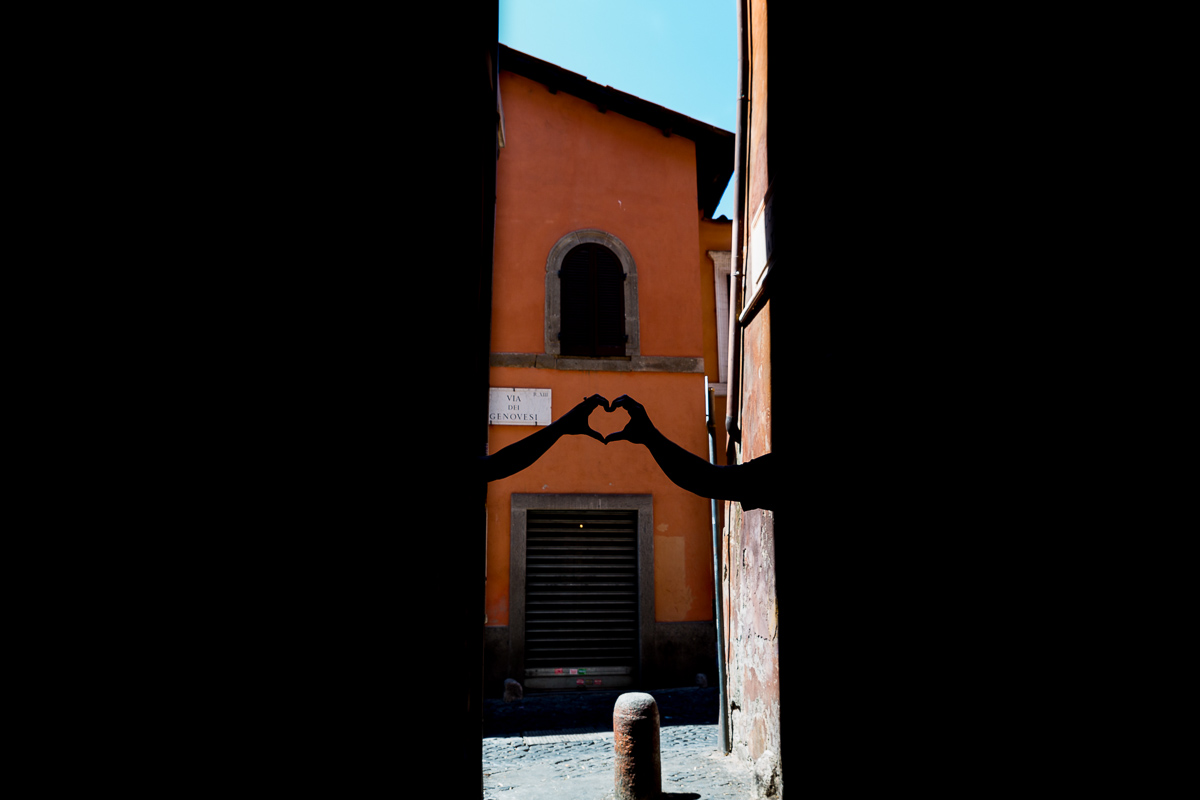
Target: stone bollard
(638,771)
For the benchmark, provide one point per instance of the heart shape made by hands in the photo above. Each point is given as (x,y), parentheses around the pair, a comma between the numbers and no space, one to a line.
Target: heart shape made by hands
(607,424)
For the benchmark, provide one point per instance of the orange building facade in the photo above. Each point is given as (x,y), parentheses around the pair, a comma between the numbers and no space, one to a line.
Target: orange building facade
(599,569)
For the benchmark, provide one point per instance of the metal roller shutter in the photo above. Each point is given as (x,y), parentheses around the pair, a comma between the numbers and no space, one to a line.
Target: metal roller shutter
(581,599)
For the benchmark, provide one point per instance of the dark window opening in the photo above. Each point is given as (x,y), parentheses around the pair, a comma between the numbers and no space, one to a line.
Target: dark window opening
(593,302)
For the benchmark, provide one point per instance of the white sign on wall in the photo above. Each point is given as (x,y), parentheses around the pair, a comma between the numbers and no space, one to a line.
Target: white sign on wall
(518,406)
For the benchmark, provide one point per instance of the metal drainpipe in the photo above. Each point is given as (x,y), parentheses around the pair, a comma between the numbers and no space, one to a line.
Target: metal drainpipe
(723,720)
(734,370)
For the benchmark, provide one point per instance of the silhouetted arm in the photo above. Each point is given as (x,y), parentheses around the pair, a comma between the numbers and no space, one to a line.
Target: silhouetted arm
(519,455)
(686,470)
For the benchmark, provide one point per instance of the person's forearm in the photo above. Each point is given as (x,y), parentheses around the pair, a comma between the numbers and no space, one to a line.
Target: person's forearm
(520,454)
(688,471)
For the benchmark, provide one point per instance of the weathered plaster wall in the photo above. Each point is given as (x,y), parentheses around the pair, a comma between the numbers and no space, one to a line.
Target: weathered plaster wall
(756,385)
(752,639)
(752,643)
(749,576)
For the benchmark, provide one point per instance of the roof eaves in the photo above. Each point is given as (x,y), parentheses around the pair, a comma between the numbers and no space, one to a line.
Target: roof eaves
(714,146)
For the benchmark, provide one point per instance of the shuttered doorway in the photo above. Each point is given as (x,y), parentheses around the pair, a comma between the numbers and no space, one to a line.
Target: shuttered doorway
(581,599)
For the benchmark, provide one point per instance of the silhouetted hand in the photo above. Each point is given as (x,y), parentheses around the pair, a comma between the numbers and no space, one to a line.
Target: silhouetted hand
(639,428)
(575,421)
(520,454)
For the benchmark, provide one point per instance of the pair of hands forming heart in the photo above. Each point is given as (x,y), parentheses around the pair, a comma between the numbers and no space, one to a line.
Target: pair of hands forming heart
(636,430)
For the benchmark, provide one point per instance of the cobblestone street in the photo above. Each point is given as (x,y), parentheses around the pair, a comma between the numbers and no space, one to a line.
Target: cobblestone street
(560,747)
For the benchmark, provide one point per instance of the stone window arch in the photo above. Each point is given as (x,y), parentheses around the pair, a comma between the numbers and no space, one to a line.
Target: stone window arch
(555,296)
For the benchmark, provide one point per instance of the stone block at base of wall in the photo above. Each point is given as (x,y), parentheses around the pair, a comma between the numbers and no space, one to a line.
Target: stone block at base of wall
(681,650)
(495,661)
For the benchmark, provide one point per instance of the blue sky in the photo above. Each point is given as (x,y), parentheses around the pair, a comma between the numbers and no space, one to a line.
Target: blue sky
(681,54)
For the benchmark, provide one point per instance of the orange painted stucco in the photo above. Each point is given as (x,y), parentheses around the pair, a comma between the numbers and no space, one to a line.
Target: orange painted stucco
(566,166)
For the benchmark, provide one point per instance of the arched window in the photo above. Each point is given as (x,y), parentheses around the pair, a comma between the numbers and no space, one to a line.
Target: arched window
(591,297)
(593,302)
